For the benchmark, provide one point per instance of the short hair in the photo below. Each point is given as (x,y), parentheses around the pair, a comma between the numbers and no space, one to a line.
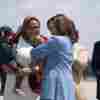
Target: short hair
(6,29)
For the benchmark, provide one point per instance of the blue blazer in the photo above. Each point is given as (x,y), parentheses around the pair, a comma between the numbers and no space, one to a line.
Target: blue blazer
(57,83)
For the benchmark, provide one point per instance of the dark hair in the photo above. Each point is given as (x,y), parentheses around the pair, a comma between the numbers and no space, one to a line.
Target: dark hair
(52,19)
(75,33)
(6,29)
(58,15)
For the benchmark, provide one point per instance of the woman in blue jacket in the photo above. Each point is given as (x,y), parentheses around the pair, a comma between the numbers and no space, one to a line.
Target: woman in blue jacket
(57,83)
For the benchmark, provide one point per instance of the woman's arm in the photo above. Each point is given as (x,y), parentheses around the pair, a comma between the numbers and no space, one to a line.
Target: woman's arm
(43,50)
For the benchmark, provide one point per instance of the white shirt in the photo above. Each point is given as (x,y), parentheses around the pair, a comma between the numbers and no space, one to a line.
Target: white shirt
(23,56)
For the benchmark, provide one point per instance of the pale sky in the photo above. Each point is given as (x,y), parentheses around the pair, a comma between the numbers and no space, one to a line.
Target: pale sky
(85,13)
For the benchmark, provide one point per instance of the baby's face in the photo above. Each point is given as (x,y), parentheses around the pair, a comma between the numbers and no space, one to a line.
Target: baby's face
(52,28)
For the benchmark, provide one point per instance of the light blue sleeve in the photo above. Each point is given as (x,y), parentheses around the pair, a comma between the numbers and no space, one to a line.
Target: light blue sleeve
(42,50)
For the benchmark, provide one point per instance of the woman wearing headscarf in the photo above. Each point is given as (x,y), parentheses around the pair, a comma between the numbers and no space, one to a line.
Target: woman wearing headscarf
(57,83)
